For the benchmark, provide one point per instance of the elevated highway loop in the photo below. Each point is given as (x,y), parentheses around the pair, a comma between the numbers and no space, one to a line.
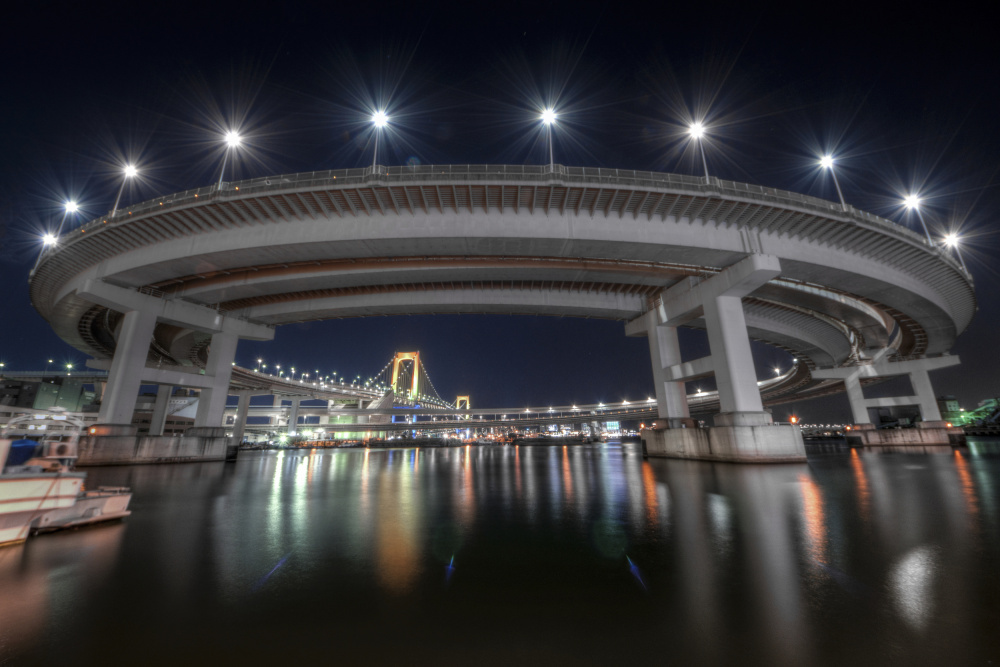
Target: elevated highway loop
(566,241)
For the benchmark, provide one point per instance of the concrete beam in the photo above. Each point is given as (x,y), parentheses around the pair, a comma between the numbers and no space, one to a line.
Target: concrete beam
(175,376)
(179,313)
(685,301)
(887,368)
(690,370)
(892,401)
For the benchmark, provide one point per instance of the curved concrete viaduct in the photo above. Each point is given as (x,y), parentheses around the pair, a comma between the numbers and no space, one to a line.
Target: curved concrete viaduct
(175,281)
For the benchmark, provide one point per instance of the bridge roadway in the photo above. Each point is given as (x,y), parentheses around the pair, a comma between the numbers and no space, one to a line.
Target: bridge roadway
(496,417)
(176,281)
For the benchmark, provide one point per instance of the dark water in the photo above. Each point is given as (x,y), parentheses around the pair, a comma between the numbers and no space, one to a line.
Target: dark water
(528,555)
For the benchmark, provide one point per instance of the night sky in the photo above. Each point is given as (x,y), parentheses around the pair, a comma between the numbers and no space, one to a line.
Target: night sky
(907,100)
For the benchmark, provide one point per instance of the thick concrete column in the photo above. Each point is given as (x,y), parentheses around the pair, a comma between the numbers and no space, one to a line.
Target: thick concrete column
(240,423)
(859,409)
(125,376)
(664,351)
(159,419)
(293,416)
(731,356)
(929,410)
(212,403)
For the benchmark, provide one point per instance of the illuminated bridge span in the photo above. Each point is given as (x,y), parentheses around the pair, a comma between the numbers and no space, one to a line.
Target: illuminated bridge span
(175,281)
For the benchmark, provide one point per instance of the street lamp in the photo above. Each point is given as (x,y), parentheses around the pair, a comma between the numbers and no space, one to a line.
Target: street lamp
(953,240)
(826,162)
(548,118)
(912,202)
(49,239)
(130,172)
(379,120)
(69,207)
(697,132)
(232,140)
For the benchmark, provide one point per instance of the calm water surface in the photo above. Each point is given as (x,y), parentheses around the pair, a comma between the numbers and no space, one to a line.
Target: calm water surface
(522,555)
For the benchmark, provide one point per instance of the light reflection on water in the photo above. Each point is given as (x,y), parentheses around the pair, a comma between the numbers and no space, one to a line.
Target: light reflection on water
(530,554)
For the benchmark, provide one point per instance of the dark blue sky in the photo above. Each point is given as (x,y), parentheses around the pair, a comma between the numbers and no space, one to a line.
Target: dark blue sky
(906,99)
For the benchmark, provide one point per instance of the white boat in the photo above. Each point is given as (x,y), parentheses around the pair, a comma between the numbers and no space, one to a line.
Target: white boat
(39,491)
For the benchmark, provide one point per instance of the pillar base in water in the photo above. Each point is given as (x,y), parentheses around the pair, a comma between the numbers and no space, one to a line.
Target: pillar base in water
(737,444)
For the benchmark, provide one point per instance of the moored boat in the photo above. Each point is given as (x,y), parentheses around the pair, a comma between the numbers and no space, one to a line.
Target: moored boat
(39,491)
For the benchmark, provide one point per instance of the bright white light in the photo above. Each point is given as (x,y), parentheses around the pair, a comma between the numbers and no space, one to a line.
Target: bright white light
(49,239)
(826,161)
(697,130)
(911,201)
(233,138)
(548,116)
(951,240)
(380,119)
(71,207)
(777,371)
(130,171)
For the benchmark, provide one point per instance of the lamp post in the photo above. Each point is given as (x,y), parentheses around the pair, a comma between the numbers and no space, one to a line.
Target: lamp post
(548,119)
(232,140)
(130,172)
(697,132)
(827,163)
(953,241)
(49,239)
(912,202)
(379,120)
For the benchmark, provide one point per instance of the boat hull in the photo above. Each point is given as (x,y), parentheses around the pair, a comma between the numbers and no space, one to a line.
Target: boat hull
(92,507)
(25,497)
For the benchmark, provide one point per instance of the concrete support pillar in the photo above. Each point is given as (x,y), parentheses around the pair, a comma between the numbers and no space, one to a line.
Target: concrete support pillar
(734,370)
(859,410)
(125,376)
(160,409)
(916,369)
(240,423)
(929,410)
(293,415)
(212,403)
(664,351)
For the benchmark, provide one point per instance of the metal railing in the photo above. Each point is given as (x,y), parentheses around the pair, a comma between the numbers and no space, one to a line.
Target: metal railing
(508,173)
